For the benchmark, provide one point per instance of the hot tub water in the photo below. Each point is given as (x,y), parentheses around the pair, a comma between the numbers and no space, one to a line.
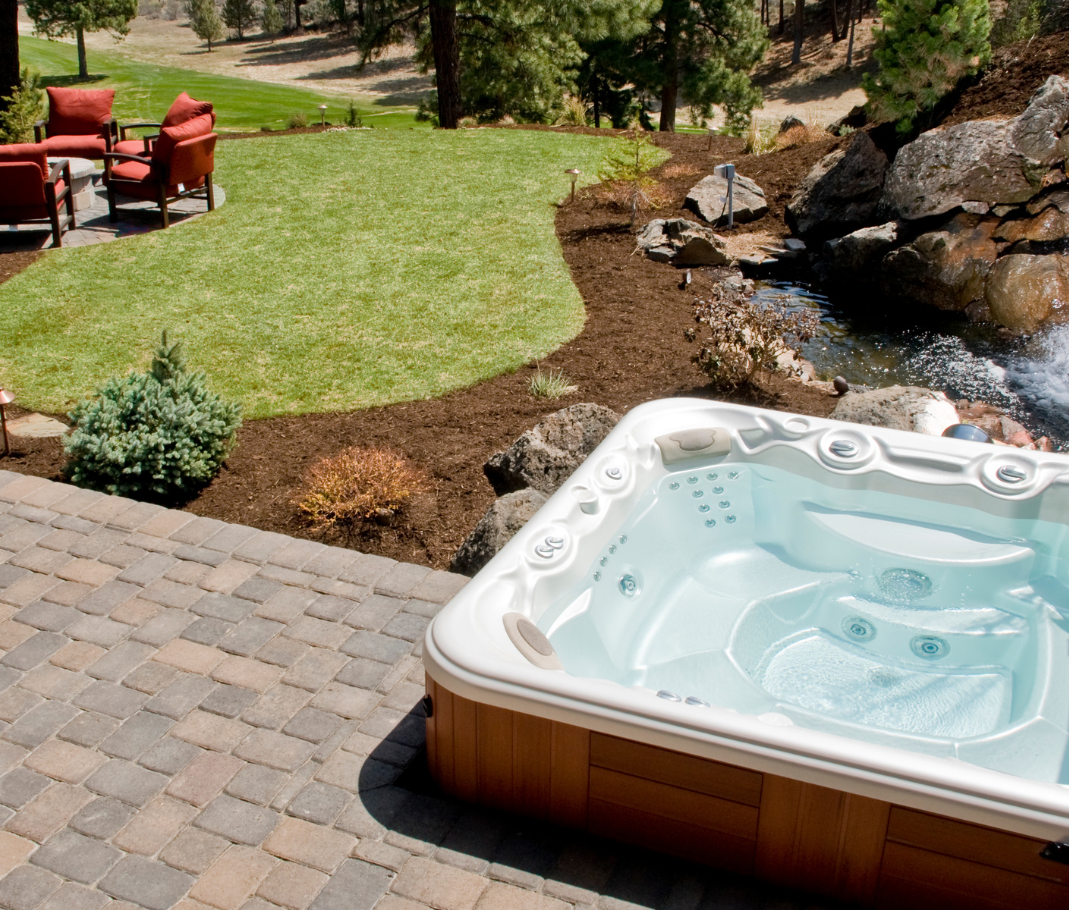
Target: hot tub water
(887,618)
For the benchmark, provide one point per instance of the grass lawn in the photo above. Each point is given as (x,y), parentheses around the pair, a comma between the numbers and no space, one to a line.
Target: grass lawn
(143,92)
(345,270)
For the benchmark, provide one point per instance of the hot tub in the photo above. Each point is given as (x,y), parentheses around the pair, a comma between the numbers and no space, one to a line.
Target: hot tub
(832,656)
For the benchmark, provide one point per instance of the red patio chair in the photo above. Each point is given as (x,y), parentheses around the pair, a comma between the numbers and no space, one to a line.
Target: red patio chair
(180,167)
(183,110)
(79,125)
(31,192)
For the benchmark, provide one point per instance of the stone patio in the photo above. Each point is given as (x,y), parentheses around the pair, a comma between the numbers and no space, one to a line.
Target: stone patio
(202,715)
(93,226)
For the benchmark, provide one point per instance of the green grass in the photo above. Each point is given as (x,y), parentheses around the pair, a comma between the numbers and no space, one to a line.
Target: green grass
(143,92)
(345,270)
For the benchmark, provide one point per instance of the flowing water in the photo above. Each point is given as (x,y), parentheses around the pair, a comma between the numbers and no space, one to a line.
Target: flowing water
(1027,377)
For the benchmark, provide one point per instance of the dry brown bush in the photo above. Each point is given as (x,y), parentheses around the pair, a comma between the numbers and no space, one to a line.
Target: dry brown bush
(357,486)
(801,135)
(679,170)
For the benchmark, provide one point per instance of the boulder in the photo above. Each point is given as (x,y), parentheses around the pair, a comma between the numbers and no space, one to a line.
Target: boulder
(987,162)
(789,123)
(543,458)
(1025,292)
(681,242)
(898,408)
(841,192)
(496,528)
(855,256)
(708,198)
(1049,225)
(945,268)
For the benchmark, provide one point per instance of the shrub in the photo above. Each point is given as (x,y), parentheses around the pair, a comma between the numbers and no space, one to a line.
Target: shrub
(924,48)
(298,121)
(745,339)
(352,115)
(801,135)
(627,165)
(1020,19)
(356,486)
(550,385)
(160,435)
(25,106)
(573,113)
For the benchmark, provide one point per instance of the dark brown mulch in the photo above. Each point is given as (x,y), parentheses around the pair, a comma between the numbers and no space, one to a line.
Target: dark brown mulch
(13,263)
(631,350)
(1016,71)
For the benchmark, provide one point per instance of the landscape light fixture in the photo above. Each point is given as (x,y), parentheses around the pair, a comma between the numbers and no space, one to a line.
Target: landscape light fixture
(322,115)
(574,173)
(727,171)
(712,132)
(5,399)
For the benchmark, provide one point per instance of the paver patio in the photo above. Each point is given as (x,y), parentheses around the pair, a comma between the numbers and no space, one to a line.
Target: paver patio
(202,715)
(93,224)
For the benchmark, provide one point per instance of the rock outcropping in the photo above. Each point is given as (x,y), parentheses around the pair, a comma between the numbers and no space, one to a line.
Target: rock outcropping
(682,243)
(708,198)
(898,408)
(544,457)
(495,529)
(841,192)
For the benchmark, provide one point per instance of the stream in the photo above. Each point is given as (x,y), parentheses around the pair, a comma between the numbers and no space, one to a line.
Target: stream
(1029,377)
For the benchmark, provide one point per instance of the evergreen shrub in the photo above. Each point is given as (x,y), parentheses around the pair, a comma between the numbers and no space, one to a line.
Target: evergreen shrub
(159,435)
(25,106)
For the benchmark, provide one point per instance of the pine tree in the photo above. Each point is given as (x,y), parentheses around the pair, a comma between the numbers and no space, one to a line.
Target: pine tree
(63,18)
(498,57)
(239,15)
(702,50)
(205,22)
(924,48)
(24,107)
(272,19)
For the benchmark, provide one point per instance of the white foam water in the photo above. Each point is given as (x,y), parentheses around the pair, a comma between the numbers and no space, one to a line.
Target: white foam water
(1039,374)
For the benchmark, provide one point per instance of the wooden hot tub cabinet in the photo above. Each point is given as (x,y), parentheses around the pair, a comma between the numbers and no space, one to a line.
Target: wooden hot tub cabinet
(849,848)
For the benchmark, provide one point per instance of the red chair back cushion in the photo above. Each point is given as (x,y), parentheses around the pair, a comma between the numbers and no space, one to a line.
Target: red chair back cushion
(170,136)
(21,184)
(78,112)
(186,108)
(26,151)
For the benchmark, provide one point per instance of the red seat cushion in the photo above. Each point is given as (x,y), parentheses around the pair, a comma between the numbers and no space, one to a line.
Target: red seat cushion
(75,147)
(170,136)
(130,147)
(139,181)
(186,108)
(78,112)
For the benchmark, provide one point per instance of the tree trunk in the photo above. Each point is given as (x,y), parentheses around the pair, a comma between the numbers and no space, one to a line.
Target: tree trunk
(443,16)
(799,23)
(297,4)
(595,91)
(83,64)
(9,48)
(853,22)
(781,26)
(835,36)
(670,64)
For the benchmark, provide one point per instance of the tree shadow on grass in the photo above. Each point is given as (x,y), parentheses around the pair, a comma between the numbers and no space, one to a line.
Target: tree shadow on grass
(68,81)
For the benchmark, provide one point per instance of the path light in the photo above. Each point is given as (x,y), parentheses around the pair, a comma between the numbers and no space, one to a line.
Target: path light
(712,132)
(322,115)
(5,399)
(574,173)
(727,171)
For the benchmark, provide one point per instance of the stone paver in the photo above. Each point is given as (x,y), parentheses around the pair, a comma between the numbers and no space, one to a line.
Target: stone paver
(203,716)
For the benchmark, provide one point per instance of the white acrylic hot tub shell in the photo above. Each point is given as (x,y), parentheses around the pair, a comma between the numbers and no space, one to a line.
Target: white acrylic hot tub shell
(468,651)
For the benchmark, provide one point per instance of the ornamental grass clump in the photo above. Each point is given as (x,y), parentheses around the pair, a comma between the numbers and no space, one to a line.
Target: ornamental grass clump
(356,487)
(158,436)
